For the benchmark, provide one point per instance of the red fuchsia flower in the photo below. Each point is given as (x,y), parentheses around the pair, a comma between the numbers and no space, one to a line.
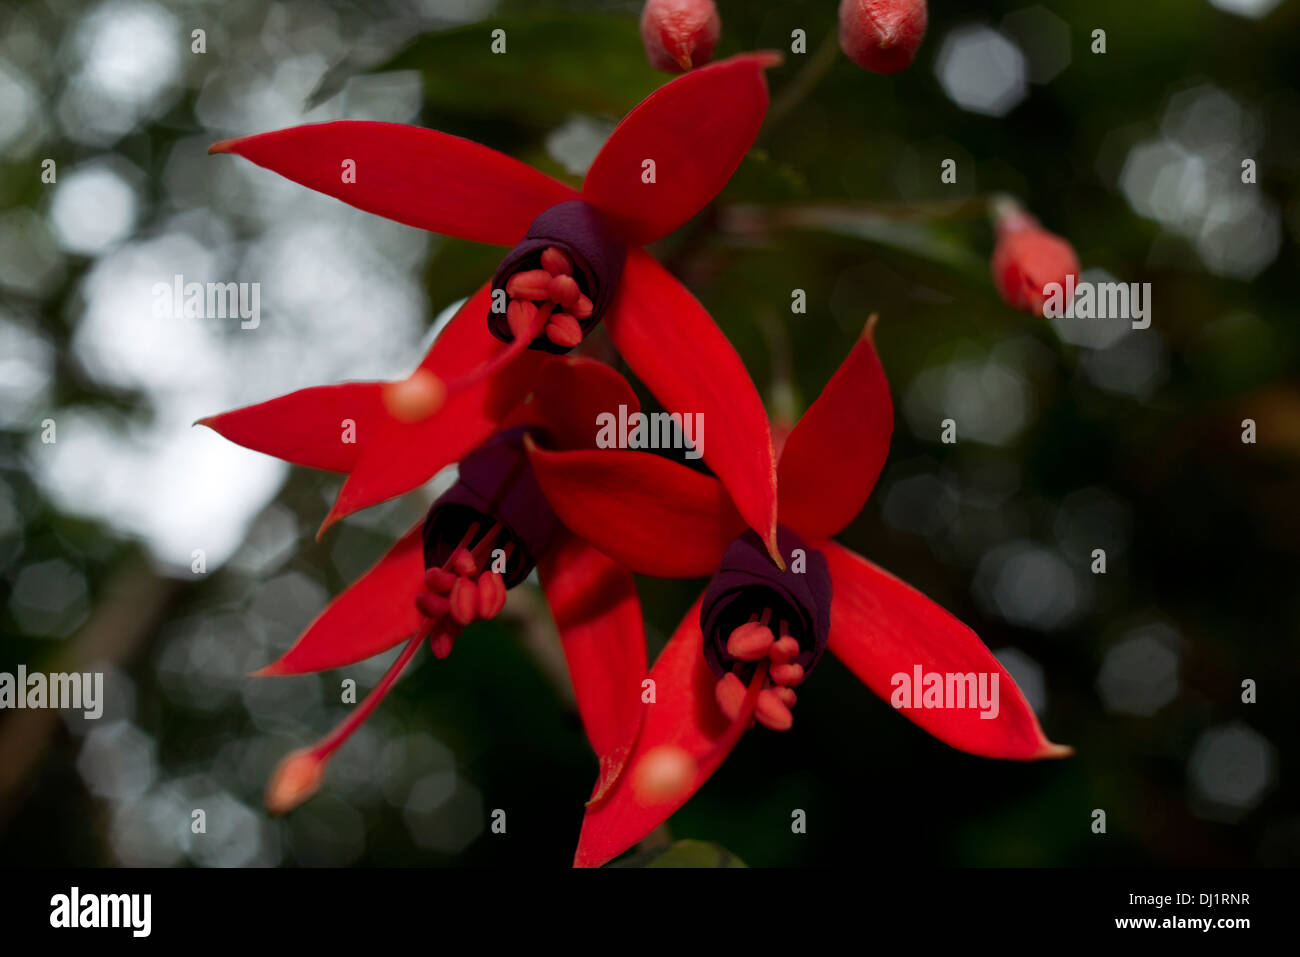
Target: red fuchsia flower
(1027,258)
(758,631)
(882,35)
(575,255)
(480,538)
(679,34)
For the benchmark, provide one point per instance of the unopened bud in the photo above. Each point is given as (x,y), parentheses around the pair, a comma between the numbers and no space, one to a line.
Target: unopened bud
(882,35)
(679,34)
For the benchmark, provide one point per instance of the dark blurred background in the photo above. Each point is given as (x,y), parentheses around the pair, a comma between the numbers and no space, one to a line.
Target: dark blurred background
(1072,435)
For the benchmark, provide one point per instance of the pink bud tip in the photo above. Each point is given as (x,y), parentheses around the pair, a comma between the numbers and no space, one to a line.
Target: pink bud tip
(416,397)
(882,35)
(679,35)
(295,780)
(1026,261)
(662,775)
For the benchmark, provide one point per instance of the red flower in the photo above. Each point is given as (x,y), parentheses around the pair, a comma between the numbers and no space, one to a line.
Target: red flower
(882,35)
(576,255)
(679,34)
(666,520)
(481,537)
(1027,259)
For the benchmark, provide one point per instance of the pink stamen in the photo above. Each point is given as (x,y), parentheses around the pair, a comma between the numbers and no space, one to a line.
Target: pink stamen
(529,284)
(432,605)
(564,330)
(750,641)
(491,595)
(791,674)
(564,290)
(464,601)
(439,580)
(462,562)
(556,262)
(784,650)
(772,712)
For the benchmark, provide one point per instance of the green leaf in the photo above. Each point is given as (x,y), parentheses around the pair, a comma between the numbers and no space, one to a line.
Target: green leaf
(684,854)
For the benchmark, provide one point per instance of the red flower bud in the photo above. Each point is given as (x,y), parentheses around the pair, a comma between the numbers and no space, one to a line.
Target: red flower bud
(679,34)
(882,35)
(1026,259)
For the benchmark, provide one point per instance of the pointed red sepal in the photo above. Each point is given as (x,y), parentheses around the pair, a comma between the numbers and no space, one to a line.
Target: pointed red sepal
(834,455)
(324,427)
(684,730)
(568,394)
(696,129)
(676,349)
(419,177)
(651,515)
(375,613)
(405,455)
(882,627)
(598,615)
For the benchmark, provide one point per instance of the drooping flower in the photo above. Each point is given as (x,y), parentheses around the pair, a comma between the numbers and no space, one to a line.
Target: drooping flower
(575,255)
(679,35)
(1027,258)
(758,631)
(882,35)
(480,538)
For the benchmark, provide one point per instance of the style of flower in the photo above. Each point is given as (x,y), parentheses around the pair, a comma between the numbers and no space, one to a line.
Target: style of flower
(758,631)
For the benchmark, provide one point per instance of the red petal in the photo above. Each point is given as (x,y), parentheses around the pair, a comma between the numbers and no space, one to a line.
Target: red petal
(683,716)
(464,343)
(375,613)
(405,455)
(681,355)
(598,614)
(696,129)
(881,627)
(568,395)
(833,457)
(651,515)
(309,427)
(419,177)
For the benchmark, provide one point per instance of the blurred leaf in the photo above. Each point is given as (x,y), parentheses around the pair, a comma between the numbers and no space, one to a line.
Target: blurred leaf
(546,73)
(685,854)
